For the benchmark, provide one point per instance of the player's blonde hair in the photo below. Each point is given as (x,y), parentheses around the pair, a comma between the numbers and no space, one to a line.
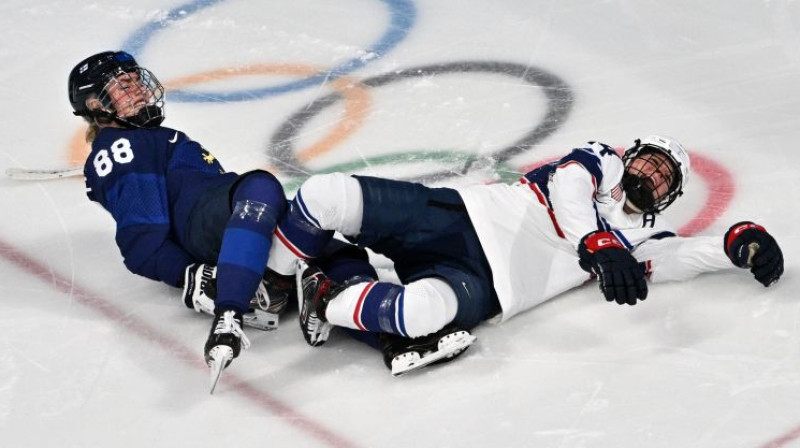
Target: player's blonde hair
(91,131)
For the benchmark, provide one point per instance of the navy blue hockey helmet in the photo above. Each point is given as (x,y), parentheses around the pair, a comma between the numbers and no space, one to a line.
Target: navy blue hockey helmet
(95,75)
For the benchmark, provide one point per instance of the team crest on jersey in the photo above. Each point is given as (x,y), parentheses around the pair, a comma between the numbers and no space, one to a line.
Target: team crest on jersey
(616,193)
(207,156)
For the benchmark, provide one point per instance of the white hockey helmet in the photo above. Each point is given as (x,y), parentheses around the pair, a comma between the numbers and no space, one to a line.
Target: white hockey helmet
(640,193)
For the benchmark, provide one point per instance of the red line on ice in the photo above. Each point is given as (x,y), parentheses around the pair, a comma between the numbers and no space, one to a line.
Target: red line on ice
(720,192)
(152,335)
(783,440)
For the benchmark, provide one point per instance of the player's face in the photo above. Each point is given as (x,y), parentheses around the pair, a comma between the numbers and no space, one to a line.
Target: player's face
(656,171)
(127,94)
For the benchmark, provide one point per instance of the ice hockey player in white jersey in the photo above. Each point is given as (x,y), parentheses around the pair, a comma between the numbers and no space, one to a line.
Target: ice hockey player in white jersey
(471,254)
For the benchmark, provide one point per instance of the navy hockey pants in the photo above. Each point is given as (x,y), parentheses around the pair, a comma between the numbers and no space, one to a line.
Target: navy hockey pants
(427,233)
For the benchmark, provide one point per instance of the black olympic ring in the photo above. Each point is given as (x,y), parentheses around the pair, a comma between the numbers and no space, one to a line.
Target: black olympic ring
(559,104)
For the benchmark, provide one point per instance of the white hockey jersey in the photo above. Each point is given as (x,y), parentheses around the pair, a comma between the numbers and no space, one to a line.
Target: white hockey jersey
(530,230)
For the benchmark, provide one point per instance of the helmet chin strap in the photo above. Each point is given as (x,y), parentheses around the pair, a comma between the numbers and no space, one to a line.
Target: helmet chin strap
(100,116)
(122,122)
(149,116)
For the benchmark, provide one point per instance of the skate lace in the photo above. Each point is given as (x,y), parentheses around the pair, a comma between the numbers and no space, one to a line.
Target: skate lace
(229,325)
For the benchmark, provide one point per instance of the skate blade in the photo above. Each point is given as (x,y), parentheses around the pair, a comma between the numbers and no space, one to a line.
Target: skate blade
(220,355)
(408,363)
(261,320)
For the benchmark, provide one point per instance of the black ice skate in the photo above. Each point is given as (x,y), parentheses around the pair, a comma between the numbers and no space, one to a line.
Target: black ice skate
(224,343)
(403,355)
(269,301)
(314,291)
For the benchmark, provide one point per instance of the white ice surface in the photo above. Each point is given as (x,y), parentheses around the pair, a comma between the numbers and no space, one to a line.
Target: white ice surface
(91,355)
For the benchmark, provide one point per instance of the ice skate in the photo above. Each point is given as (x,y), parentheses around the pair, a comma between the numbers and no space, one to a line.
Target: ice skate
(271,298)
(225,342)
(314,291)
(403,355)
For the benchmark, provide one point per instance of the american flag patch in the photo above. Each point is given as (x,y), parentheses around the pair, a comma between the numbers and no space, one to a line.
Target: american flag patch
(616,193)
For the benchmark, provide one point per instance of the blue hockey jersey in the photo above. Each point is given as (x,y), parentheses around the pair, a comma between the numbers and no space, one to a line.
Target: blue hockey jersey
(149,180)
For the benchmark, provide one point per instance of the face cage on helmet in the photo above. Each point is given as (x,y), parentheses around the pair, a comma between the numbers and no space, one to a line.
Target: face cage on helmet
(149,114)
(675,189)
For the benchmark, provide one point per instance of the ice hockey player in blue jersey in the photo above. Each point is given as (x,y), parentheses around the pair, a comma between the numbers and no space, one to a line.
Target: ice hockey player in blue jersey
(180,218)
(469,254)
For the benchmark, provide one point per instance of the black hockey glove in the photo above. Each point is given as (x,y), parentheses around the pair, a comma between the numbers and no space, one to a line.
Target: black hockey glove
(622,278)
(748,245)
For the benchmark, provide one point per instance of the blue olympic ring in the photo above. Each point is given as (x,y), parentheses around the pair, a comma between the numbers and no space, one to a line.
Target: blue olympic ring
(403,15)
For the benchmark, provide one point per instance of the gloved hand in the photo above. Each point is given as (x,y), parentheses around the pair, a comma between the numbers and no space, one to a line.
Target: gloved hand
(748,245)
(622,278)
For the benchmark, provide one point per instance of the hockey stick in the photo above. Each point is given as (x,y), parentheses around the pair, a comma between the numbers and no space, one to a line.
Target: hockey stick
(42,174)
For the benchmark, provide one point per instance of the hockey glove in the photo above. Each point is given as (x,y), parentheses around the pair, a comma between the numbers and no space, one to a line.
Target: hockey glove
(622,278)
(748,245)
